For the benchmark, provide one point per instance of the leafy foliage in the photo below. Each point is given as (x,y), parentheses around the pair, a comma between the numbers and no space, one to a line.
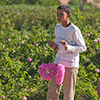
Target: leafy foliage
(30,2)
(24,31)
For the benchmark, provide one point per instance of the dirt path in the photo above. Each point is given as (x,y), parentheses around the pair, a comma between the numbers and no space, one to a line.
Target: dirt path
(64,1)
(92,1)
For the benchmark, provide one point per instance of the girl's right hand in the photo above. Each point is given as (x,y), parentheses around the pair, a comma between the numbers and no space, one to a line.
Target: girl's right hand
(52,45)
(64,43)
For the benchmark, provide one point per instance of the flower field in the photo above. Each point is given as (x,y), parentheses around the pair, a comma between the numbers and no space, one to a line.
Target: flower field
(24,30)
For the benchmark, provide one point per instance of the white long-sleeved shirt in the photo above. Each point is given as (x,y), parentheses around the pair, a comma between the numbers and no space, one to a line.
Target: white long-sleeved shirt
(72,35)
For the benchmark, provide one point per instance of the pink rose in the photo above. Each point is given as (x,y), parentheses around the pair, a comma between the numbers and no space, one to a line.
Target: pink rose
(22,42)
(97,70)
(3,97)
(26,36)
(97,23)
(92,44)
(96,48)
(95,40)
(7,16)
(19,38)
(9,39)
(36,44)
(99,40)
(25,98)
(18,61)
(17,13)
(91,33)
(90,50)
(88,35)
(30,59)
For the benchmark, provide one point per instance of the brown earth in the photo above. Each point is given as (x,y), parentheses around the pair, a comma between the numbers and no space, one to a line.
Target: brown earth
(92,2)
(64,1)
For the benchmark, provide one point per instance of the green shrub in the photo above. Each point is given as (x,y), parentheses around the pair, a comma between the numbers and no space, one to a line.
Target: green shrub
(24,32)
(31,2)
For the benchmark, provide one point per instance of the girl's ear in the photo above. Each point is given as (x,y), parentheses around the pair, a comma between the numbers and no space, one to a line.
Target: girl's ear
(69,15)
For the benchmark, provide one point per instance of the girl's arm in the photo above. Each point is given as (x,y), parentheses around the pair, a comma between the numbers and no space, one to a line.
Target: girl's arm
(80,47)
(78,38)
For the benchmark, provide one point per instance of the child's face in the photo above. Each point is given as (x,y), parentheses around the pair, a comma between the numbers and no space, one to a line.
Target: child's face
(62,15)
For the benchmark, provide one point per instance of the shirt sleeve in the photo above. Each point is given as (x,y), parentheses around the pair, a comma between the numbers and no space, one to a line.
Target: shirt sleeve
(80,44)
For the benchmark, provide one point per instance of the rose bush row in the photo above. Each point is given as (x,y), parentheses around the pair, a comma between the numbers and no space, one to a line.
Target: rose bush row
(23,48)
(31,2)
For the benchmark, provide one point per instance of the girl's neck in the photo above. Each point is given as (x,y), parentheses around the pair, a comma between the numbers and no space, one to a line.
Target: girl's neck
(66,24)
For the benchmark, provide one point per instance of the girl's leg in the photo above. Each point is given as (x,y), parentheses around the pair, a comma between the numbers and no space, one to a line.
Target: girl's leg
(69,83)
(53,90)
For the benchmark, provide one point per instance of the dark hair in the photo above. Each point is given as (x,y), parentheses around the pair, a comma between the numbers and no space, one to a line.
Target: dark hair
(66,8)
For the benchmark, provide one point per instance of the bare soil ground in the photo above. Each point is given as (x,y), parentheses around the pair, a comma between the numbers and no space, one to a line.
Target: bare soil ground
(92,1)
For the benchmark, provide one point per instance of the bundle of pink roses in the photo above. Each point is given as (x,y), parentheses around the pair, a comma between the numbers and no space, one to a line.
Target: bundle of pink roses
(60,73)
(48,71)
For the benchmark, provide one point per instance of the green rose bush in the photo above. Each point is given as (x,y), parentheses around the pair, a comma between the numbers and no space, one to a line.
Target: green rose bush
(23,47)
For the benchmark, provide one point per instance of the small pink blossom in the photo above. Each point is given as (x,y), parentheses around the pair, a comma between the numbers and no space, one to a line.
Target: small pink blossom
(97,23)
(19,38)
(18,61)
(96,48)
(88,35)
(90,50)
(9,39)
(26,36)
(75,21)
(91,33)
(22,42)
(22,57)
(3,97)
(36,44)
(30,59)
(1,7)
(25,89)
(7,16)
(25,98)
(99,40)
(95,40)
(97,70)
(92,44)
(17,13)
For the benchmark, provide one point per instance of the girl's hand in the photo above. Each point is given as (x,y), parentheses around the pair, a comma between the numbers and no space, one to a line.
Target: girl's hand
(64,43)
(52,45)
